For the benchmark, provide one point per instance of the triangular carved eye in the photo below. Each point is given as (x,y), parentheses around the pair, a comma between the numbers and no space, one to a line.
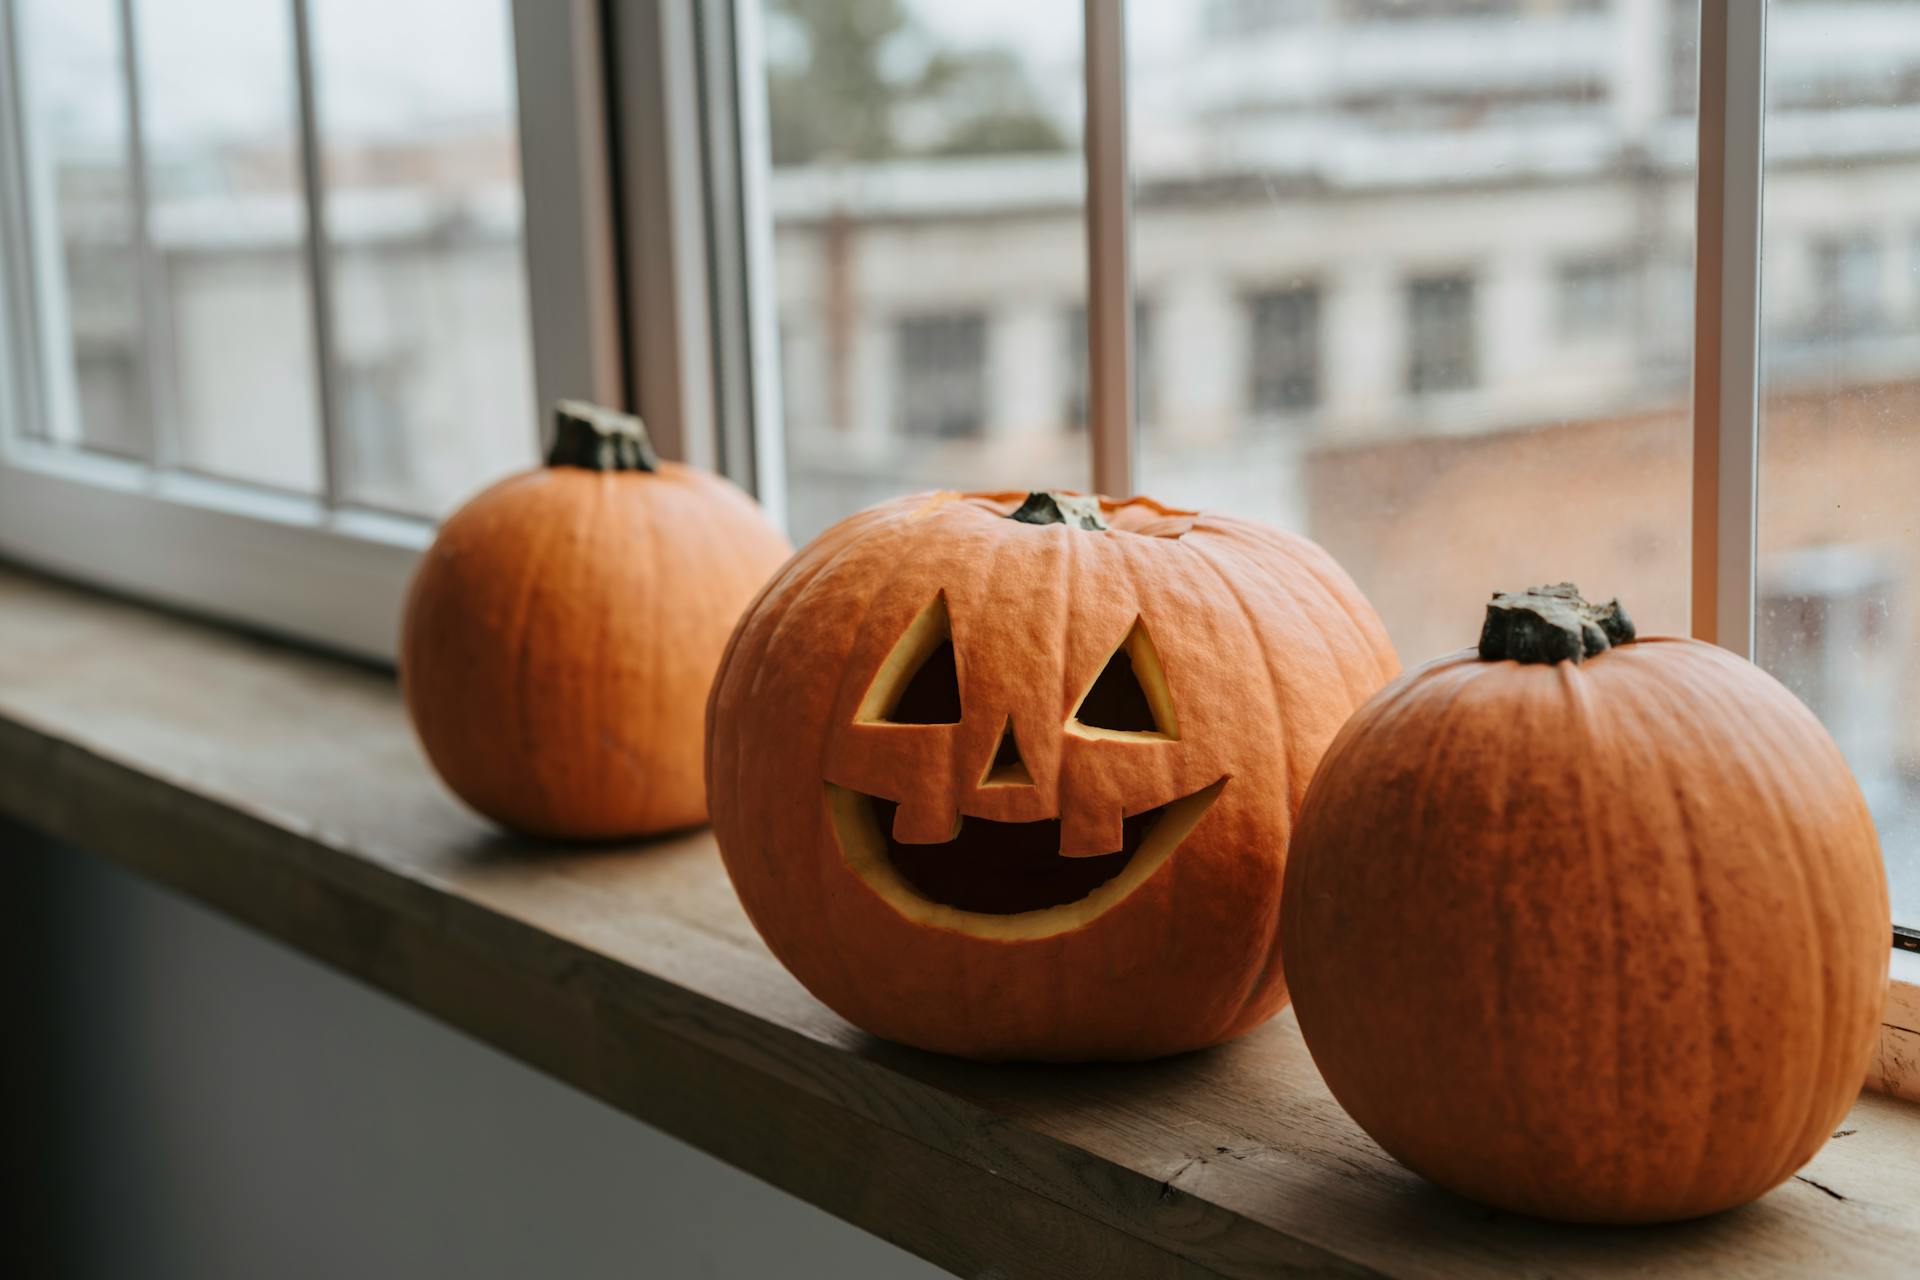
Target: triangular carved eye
(1130,698)
(919,683)
(1007,769)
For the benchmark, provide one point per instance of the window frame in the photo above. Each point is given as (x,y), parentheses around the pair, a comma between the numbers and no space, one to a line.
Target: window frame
(312,569)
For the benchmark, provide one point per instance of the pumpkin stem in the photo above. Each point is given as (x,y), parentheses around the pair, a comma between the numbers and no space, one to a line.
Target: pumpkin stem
(1079,511)
(599,439)
(1551,624)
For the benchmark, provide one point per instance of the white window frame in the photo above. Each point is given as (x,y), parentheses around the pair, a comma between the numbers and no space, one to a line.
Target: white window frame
(309,568)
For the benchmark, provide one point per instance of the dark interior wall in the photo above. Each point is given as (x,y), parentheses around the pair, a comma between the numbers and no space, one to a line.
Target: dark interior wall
(32,1156)
(184,1098)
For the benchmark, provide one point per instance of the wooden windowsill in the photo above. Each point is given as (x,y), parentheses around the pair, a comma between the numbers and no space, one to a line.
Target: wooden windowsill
(284,789)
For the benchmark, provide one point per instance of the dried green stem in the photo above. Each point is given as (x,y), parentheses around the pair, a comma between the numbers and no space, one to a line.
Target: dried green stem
(1551,624)
(599,439)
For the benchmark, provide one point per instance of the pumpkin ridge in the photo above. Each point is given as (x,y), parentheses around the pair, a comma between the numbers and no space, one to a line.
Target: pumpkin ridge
(1820,922)
(884,589)
(649,518)
(1802,859)
(1060,568)
(1790,1125)
(822,572)
(1705,913)
(521,648)
(1040,774)
(1280,693)
(1665,709)
(1505,946)
(1331,597)
(1582,726)
(1875,992)
(1057,1005)
(745,634)
(1278,690)
(697,482)
(760,669)
(1307,887)
(1336,586)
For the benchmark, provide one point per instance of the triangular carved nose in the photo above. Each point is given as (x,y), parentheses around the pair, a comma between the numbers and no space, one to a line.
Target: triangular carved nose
(1007,769)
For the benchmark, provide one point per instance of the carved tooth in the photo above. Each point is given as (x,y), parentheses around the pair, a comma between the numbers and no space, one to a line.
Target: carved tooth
(925,824)
(1086,833)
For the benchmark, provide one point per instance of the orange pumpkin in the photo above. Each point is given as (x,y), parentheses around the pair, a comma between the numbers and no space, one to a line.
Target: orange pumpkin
(1588,927)
(1015,780)
(562,630)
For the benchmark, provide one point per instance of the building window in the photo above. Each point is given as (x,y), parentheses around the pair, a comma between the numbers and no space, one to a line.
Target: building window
(1595,297)
(1845,286)
(1913,262)
(942,374)
(1078,392)
(1283,359)
(1229,20)
(1441,351)
(1836,627)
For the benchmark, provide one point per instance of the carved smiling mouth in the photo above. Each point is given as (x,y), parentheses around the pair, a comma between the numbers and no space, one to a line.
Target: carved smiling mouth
(1006,879)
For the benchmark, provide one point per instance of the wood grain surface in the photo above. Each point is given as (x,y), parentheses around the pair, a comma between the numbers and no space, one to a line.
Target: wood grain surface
(284,789)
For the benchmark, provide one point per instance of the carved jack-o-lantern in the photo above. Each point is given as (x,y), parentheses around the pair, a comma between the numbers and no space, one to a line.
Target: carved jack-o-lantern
(1016,780)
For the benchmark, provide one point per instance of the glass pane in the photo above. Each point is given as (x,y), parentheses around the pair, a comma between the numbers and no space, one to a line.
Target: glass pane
(434,361)
(1840,374)
(1421,274)
(930,260)
(80,185)
(228,221)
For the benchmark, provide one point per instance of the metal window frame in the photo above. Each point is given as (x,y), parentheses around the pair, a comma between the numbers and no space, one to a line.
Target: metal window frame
(1113,417)
(1726,382)
(313,570)
(1726,326)
(19,323)
(319,256)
